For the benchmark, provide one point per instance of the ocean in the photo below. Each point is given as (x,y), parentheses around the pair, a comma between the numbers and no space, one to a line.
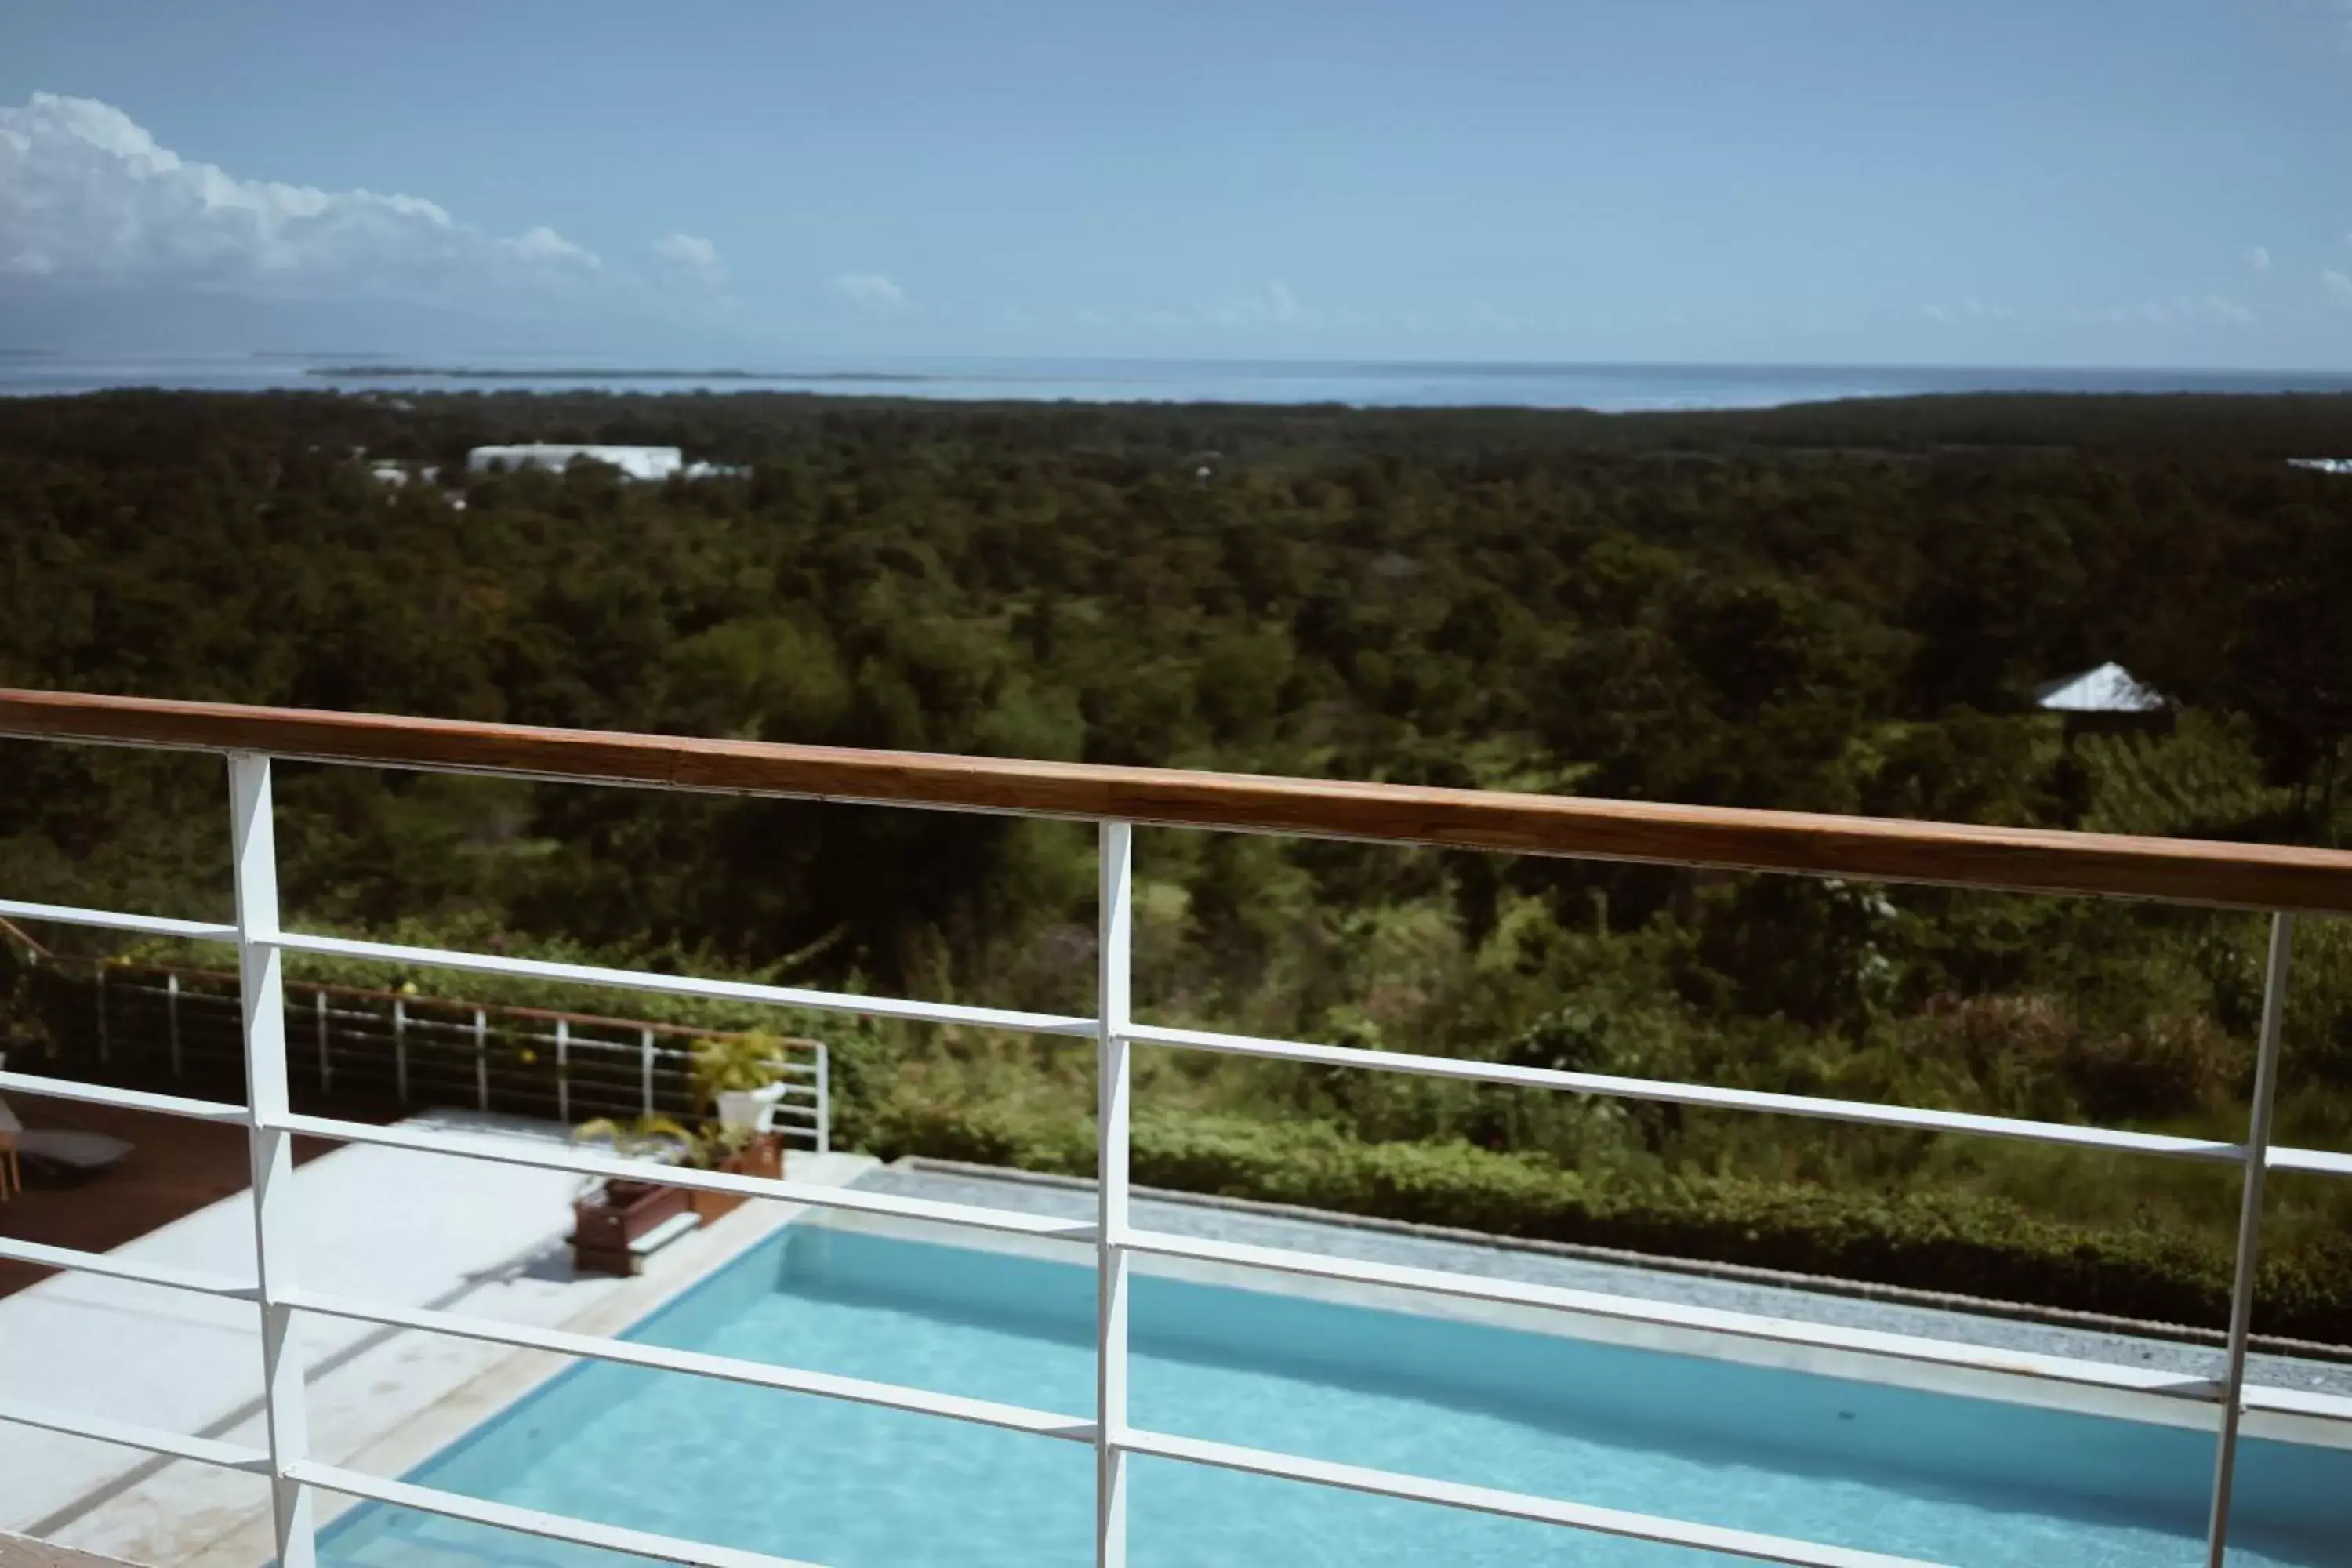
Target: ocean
(1614,388)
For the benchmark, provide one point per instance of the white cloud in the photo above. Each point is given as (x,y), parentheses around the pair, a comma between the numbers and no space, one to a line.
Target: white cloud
(1271,306)
(690,258)
(870,291)
(2337,284)
(86,192)
(543,247)
(2258,258)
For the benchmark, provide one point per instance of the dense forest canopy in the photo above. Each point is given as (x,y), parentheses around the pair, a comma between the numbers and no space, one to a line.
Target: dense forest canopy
(1837,608)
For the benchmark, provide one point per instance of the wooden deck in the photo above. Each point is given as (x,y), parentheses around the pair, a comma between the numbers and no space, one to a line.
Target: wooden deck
(176,1167)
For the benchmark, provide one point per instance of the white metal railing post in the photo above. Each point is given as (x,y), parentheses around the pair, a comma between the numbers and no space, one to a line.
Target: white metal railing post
(1114,946)
(400,1048)
(563,1071)
(2249,1229)
(823,1098)
(481,1061)
(262,991)
(646,1067)
(172,1022)
(326,1063)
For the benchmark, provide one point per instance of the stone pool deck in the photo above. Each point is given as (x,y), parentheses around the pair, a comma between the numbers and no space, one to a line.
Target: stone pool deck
(406,1228)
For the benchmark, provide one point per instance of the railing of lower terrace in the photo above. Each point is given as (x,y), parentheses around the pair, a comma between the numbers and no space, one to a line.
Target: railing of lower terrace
(2283,882)
(157,1022)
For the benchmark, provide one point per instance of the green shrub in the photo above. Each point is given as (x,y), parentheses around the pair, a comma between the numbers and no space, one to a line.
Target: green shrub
(1966,1244)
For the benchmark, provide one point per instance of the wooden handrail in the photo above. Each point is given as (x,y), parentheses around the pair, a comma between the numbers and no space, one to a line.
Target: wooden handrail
(12,932)
(2179,870)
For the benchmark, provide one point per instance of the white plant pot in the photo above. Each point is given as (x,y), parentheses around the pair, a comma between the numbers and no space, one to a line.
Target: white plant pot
(742,1109)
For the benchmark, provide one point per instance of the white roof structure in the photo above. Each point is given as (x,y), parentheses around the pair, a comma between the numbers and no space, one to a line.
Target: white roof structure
(636,462)
(2109,688)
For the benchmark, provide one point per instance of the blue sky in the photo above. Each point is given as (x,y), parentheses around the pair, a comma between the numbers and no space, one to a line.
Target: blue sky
(2072,181)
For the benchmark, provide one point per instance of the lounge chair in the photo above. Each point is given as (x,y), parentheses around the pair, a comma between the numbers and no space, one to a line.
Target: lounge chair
(71,1154)
(55,1154)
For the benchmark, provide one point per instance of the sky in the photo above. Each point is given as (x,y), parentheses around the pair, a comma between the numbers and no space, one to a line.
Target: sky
(2161,183)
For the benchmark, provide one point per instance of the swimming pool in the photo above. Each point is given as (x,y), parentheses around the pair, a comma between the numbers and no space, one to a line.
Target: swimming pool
(1934,1475)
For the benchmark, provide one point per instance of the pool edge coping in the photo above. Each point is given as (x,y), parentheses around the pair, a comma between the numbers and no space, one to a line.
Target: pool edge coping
(2271,1412)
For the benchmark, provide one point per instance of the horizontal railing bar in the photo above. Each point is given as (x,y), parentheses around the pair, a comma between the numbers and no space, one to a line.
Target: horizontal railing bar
(661,1358)
(117,1267)
(634,1027)
(530,1520)
(413,1027)
(1674,1315)
(519,1151)
(1861,1112)
(1507,1504)
(2245,876)
(628,1049)
(684,985)
(459,1032)
(2321,1162)
(131,1435)
(583,1065)
(109,919)
(127,1099)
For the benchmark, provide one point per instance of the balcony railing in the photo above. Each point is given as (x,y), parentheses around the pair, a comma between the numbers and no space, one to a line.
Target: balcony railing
(2283,882)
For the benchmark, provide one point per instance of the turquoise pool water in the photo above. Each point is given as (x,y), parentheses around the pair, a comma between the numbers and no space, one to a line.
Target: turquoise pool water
(1950,1479)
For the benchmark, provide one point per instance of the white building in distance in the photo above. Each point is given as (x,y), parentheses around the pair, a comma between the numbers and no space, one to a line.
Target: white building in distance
(635,462)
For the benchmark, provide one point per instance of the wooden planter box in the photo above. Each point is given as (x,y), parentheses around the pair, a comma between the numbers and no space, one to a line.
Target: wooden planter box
(608,1222)
(763,1156)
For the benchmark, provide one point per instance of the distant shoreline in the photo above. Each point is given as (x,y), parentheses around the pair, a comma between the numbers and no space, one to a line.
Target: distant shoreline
(1597,387)
(461,373)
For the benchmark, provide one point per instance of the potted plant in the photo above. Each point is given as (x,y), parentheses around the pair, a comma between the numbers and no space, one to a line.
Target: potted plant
(735,1075)
(613,1215)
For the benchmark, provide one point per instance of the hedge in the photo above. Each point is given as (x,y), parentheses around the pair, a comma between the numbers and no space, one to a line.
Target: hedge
(1950,1241)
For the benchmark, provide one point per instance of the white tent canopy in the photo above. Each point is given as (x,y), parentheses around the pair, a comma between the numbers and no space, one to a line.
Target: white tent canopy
(2109,688)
